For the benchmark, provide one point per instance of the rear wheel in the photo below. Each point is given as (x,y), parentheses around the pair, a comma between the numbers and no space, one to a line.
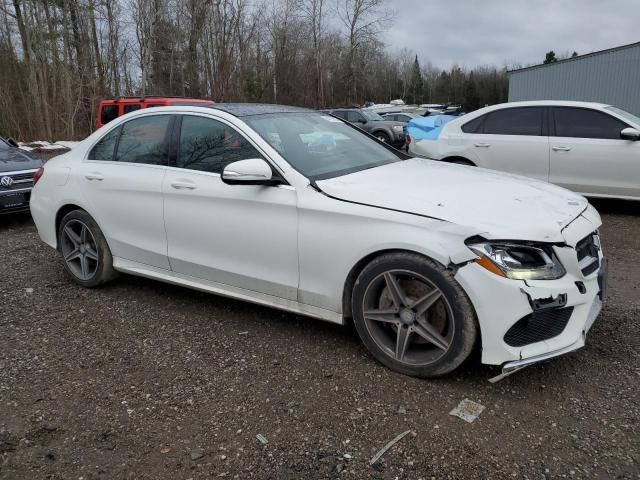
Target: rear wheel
(86,255)
(413,316)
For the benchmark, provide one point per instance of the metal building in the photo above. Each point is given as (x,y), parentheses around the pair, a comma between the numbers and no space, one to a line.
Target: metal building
(609,76)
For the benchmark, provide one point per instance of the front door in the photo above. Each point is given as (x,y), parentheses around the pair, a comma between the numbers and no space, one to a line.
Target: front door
(589,156)
(122,184)
(243,236)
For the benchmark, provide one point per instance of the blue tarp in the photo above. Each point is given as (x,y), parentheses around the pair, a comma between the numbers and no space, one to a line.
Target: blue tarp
(427,128)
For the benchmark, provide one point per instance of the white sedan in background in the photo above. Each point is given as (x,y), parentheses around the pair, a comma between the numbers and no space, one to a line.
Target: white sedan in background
(590,148)
(301,211)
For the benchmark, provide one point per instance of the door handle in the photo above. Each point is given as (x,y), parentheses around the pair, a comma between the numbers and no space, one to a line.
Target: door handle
(94,176)
(561,149)
(483,145)
(183,186)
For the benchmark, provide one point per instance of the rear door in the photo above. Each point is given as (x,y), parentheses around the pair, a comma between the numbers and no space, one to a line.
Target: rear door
(512,140)
(121,182)
(589,156)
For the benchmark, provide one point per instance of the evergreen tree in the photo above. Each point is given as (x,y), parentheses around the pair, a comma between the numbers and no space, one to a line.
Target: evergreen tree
(550,57)
(417,83)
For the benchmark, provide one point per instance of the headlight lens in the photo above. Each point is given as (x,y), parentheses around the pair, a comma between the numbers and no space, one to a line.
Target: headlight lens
(519,261)
(398,128)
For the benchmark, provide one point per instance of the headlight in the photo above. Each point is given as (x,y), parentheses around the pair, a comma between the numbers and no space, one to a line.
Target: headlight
(398,128)
(519,261)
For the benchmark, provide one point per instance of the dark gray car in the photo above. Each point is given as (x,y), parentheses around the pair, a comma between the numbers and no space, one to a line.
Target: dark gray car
(16,177)
(384,130)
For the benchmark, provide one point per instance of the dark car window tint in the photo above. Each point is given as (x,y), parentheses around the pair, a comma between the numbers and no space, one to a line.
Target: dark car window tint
(474,125)
(143,140)
(514,121)
(109,112)
(103,150)
(584,123)
(340,114)
(131,107)
(208,145)
(354,117)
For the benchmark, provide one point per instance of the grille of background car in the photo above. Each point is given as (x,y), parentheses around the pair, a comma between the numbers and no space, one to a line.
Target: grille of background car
(20,180)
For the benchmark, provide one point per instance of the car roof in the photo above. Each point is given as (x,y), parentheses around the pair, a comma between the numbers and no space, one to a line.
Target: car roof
(248,109)
(548,103)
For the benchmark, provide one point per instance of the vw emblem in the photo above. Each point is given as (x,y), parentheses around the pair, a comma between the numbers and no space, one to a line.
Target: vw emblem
(6,181)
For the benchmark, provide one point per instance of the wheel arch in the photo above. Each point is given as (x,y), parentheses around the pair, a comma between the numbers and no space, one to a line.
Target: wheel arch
(347,291)
(70,207)
(381,130)
(458,158)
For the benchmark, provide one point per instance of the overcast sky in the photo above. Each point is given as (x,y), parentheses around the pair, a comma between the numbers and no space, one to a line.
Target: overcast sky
(499,32)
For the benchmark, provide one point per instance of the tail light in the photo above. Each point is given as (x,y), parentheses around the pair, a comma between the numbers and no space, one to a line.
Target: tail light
(38,175)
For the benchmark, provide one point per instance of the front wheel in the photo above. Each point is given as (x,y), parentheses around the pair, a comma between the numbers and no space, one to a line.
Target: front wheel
(383,137)
(86,255)
(413,316)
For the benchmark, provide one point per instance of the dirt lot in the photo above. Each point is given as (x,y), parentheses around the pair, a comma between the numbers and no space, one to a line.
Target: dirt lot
(145,380)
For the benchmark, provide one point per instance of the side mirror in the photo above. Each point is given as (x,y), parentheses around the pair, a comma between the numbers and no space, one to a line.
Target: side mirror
(630,134)
(254,171)
(12,142)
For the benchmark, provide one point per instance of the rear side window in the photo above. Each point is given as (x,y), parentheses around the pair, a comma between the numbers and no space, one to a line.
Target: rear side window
(108,113)
(144,140)
(340,114)
(585,123)
(132,107)
(474,125)
(514,121)
(208,145)
(354,117)
(103,150)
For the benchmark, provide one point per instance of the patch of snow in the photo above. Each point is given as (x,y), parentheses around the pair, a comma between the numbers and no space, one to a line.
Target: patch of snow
(67,143)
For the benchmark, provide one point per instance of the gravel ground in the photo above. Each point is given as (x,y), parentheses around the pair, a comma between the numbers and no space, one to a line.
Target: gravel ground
(145,380)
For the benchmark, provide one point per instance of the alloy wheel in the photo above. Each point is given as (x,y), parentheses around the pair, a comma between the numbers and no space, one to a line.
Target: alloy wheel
(408,317)
(79,249)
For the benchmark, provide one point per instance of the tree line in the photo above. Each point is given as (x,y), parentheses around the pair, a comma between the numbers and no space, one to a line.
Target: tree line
(59,58)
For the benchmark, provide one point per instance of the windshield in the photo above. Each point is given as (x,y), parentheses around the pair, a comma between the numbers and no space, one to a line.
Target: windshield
(626,115)
(320,146)
(371,116)
(4,145)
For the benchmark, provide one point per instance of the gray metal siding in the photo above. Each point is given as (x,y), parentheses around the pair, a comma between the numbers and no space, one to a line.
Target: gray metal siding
(612,77)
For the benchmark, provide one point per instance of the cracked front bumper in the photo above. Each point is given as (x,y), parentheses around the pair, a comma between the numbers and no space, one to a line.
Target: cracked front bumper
(501,302)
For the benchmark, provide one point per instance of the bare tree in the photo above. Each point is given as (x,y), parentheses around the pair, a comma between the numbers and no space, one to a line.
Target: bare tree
(59,58)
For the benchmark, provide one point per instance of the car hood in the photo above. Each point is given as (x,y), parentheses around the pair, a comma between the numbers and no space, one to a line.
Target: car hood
(494,204)
(12,160)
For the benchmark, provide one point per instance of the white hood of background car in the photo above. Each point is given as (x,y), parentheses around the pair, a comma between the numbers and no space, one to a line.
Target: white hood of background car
(498,205)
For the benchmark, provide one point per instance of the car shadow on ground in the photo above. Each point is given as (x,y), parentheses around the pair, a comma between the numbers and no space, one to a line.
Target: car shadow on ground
(15,220)
(616,206)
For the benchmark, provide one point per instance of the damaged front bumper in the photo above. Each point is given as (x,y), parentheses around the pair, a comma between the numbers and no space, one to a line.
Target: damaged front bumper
(525,322)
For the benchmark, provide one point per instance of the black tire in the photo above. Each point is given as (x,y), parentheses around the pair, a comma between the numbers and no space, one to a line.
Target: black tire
(461,332)
(382,136)
(101,269)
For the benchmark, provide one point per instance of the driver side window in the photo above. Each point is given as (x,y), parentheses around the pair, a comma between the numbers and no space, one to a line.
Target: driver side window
(208,145)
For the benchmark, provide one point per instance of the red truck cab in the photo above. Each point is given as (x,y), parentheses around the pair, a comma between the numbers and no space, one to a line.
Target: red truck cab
(111,109)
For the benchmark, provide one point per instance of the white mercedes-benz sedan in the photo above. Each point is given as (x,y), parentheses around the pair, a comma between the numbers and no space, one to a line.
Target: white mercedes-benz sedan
(298,210)
(590,148)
